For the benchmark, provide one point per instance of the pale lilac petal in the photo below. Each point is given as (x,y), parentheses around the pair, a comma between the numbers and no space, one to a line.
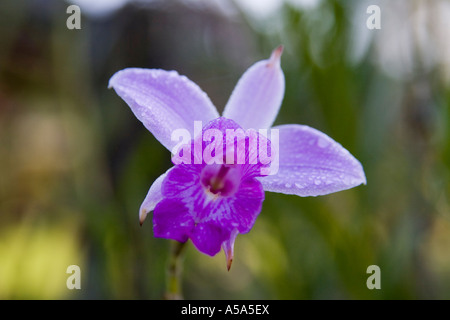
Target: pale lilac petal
(163,101)
(154,196)
(257,97)
(172,220)
(312,164)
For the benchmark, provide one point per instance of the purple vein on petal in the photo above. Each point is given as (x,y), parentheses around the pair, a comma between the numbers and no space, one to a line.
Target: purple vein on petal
(209,203)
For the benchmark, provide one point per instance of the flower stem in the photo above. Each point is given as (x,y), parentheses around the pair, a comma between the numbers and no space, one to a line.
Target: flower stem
(174,268)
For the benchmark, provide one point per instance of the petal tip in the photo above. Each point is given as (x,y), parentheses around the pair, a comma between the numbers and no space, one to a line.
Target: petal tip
(113,79)
(229,261)
(142,215)
(229,255)
(364,179)
(110,85)
(228,248)
(362,175)
(121,75)
(276,56)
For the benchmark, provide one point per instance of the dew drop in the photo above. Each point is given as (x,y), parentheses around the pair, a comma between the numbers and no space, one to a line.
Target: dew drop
(346,180)
(322,142)
(317,182)
(288,185)
(299,185)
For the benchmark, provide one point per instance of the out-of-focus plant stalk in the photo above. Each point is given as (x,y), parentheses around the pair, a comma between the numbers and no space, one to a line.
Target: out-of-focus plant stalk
(174,270)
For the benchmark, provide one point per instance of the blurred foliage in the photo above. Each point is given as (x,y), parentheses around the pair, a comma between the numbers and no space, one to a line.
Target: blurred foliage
(75,164)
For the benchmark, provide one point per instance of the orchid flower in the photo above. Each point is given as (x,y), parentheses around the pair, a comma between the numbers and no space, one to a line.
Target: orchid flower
(212,203)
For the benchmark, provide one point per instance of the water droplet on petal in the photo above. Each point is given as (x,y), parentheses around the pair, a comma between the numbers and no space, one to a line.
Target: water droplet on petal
(346,180)
(299,185)
(288,185)
(317,182)
(322,142)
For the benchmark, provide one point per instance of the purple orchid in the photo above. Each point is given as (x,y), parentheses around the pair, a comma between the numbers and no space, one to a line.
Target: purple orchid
(211,203)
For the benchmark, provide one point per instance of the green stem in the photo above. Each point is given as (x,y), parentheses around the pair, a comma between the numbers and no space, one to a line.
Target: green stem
(174,268)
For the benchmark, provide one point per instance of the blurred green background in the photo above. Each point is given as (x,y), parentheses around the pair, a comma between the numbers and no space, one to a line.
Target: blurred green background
(75,164)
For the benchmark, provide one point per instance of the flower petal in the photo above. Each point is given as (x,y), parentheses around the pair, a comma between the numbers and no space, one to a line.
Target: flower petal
(190,210)
(312,164)
(257,97)
(163,101)
(180,181)
(228,248)
(172,220)
(208,237)
(238,211)
(241,146)
(220,221)
(245,207)
(154,196)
